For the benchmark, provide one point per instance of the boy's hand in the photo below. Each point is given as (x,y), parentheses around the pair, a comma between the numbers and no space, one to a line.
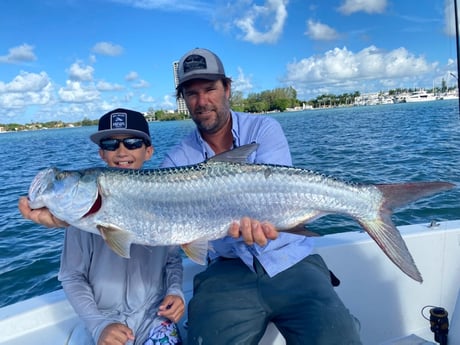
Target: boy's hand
(172,308)
(40,216)
(115,334)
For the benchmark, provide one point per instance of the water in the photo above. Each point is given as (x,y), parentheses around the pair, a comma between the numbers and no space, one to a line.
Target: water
(380,144)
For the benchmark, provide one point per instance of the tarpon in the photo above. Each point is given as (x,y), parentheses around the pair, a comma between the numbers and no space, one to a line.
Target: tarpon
(192,205)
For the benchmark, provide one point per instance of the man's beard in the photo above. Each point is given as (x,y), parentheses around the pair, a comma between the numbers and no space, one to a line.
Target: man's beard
(213,123)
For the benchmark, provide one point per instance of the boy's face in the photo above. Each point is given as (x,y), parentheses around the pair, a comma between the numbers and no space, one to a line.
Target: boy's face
(124,158)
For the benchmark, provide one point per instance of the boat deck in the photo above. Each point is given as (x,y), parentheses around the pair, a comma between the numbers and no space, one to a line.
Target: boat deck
(387,303)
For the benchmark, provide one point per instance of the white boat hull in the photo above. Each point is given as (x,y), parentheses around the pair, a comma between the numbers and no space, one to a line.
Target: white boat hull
(387,303)
(421,99)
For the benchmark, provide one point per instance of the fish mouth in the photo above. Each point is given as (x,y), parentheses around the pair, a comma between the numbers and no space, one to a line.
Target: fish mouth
(39,184)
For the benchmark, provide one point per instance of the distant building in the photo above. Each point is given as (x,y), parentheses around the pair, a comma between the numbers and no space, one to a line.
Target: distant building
(181,107)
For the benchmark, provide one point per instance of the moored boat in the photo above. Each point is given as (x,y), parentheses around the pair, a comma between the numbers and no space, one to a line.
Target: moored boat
(420,96)
(449,95)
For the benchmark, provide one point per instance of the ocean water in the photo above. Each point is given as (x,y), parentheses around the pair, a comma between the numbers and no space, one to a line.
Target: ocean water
(378,144)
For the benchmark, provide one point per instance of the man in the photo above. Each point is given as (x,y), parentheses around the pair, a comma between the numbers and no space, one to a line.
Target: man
(119,300)
(257,277)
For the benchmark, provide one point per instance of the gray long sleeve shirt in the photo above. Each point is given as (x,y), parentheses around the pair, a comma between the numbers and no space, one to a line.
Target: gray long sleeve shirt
(105,288)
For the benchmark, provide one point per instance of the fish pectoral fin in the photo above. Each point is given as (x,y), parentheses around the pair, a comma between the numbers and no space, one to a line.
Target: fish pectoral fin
(117,239)
(197,251)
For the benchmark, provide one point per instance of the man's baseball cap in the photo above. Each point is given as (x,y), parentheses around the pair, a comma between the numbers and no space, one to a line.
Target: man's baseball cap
(200,63)
(120,122)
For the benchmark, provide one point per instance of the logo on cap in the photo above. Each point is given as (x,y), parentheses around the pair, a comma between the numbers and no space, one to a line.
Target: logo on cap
(118,120)
(193,62)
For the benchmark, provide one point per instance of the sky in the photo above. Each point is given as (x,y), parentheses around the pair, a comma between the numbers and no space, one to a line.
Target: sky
(69,60)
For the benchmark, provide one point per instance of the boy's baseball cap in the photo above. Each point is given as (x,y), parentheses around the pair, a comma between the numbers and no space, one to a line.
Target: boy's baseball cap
(200,63)
(122,121)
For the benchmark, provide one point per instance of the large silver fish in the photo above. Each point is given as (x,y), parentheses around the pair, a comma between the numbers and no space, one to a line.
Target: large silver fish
(191,205)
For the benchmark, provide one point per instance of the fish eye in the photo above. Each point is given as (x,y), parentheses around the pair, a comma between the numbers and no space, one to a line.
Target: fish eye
(60,175)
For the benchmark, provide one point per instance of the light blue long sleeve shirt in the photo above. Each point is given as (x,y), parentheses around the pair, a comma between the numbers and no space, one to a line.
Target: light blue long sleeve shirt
(288,249)
(105,288)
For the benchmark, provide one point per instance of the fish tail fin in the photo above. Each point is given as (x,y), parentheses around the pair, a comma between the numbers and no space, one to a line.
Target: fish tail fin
(400,194)
(384,232)
(388,238)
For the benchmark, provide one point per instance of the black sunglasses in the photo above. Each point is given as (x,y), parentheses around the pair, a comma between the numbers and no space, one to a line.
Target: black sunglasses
(114,144)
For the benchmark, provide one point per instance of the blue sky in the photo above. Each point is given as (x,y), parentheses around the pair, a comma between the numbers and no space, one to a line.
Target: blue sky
(73,59)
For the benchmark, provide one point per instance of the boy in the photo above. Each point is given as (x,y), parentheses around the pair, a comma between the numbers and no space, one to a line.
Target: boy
(121,301)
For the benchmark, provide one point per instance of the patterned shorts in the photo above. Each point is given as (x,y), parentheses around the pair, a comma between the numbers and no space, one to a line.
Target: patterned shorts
(166,333)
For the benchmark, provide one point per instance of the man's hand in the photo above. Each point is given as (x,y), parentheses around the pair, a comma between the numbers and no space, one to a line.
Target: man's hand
(40,216)
(115,334)
(172,308)
(253,231)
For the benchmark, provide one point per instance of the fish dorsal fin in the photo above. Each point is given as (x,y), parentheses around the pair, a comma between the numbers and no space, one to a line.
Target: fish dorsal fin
(237,155)
(117,239)
(197,251)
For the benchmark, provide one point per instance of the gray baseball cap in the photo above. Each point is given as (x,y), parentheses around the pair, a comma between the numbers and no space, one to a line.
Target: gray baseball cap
(200,63)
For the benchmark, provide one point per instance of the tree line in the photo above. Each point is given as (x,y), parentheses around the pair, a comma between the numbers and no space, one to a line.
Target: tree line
(279,99)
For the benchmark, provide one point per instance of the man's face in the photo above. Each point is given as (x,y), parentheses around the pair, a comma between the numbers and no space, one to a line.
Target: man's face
(208,103)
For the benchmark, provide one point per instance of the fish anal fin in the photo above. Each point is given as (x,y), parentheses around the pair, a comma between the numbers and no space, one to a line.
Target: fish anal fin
(117,239)
(197,251)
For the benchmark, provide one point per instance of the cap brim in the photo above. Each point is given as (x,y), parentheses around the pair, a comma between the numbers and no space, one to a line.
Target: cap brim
(98,136)
(200,76)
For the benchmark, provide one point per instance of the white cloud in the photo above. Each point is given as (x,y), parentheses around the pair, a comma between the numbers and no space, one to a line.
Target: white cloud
(137,84)
(242,83)
(92,59)
(106,86)
(320,31)
(25,99)
(169,102)
(79,72)
(263,24)
(141,84)
(169,5)
(25,82)
(131,76)
(25,90)
(368,6)
(77,93)
(342,67)
(146,98)
(107,48)
(22,53)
